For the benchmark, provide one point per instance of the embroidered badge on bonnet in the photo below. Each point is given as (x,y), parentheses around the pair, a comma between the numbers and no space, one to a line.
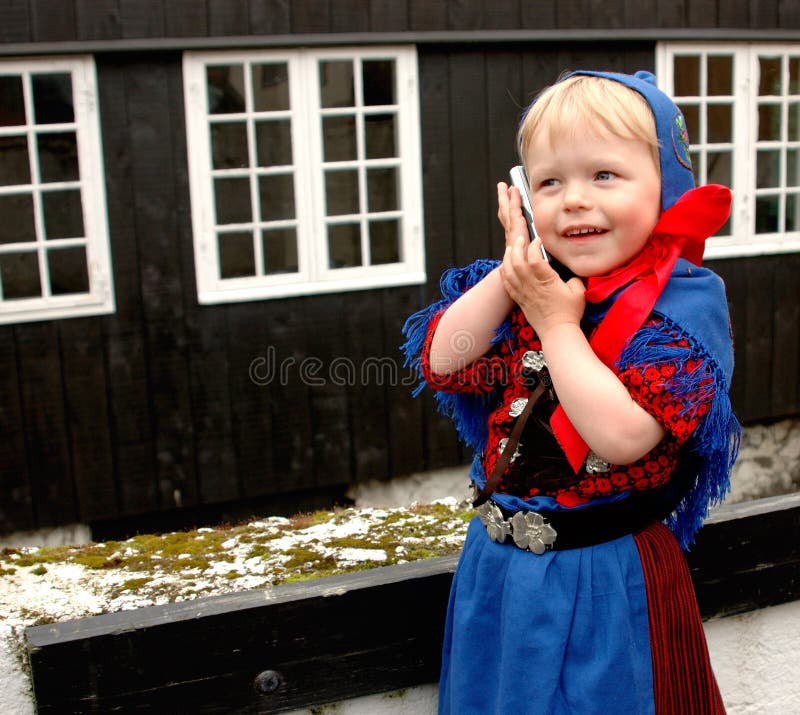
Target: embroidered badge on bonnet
(680,141)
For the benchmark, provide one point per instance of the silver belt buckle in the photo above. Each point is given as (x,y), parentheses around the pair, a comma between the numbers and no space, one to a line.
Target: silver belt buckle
(528,529)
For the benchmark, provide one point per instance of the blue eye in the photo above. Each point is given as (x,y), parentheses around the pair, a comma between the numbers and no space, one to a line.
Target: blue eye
(549,182)
(605,175)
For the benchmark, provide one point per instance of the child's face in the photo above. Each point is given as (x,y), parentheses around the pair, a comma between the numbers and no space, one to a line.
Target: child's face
(596,197)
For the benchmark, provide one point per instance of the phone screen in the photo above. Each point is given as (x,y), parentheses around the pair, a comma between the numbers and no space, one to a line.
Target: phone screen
(520,180)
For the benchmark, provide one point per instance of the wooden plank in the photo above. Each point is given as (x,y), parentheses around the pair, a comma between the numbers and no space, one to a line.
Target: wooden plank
(270,17)
(16,24)
(427,16)
(734,273)
(322,641)
(605,15)
(228,17)
(702,13)
(786,339)
(367,370)
(539,15)
(98,19)
(469,136)
(504,105)
(348,16)
(52,22)
(331,438)
(572,13)
(142,18)
(761,15)
(788,13)
(185,18)
(388,16)
(129,408)
(404,413)
(47,440)
(151,133)
(759,338)
(282,352)
(310,16)
(439,440)
(83,359)
(502,14)
(16,506)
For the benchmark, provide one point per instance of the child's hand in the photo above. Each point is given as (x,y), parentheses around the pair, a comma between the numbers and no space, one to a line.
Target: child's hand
(546,300)
(509,212)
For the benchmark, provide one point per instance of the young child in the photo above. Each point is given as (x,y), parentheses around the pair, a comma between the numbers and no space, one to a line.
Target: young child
(599,412)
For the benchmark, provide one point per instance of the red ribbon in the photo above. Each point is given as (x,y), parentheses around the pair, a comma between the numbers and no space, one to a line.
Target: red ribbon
(680,232)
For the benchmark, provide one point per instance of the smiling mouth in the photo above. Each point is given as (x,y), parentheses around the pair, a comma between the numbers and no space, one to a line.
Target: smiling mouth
(586,231)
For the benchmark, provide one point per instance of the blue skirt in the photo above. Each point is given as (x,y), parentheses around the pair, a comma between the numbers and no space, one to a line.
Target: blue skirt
(564,632)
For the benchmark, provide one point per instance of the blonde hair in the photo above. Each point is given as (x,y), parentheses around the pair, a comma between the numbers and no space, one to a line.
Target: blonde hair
(589,101)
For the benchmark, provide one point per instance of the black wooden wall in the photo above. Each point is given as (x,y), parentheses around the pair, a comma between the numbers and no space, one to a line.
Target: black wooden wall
(152,410)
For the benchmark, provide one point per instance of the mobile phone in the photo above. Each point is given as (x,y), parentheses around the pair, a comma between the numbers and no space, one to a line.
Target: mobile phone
(520,179)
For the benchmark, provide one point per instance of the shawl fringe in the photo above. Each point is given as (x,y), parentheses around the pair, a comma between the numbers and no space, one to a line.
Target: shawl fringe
(714,445)
(468,412)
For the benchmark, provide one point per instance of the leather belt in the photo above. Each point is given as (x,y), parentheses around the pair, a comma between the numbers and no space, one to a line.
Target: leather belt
(540,531)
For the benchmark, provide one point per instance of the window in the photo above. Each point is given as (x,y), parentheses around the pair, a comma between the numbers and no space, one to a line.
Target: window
(54,252)
(742,108)
(304,171)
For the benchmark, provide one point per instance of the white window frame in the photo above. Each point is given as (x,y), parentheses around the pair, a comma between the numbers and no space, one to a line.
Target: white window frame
(743,240)
(313,275)
(99,299)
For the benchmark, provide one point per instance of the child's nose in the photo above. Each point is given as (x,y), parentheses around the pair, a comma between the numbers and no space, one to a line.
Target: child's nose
(576,196)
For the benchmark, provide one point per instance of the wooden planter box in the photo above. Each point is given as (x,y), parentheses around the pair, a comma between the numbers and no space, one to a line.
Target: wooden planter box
(336,638)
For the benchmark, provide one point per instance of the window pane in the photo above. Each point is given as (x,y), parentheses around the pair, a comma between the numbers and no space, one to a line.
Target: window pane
(58,156)
(768,167)
(792,167)
(720,75)
(229,145)
(12,102)
(794,75)
(271,87)
(274,143)
(63,214)
(766,214)
(52,98)
(382,190)
(336,84)
(720,127)
(792,212)
(280,251)
(770,76)
(14,164)
(225,89)
(380,136)
(694,158)
(719,168)
(344,245)
(687,76)
(384,242)
(794,121)
(277,197)
(236,255)
(19,273)
(769,122)
(68,270)
(339,137)
(691,113)
(232,199)
(378,79)
(17,218)
(341,192)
